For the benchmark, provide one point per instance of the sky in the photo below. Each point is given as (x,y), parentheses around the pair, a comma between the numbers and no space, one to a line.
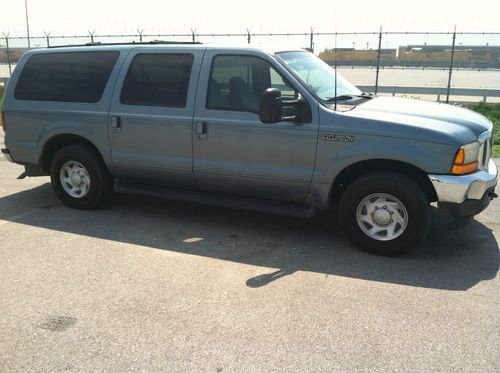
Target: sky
(154,16)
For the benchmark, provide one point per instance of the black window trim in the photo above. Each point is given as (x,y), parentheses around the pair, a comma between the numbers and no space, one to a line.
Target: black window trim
(117,52)
(239,55)
(142,53)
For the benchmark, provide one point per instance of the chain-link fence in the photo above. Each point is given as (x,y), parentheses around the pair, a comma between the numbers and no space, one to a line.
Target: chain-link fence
(449,65)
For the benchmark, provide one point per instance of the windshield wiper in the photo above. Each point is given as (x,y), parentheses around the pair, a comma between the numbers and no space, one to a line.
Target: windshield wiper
(366,94)
(339,98)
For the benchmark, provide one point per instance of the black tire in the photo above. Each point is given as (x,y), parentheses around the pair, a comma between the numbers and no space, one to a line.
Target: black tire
(101,182)
(409,193)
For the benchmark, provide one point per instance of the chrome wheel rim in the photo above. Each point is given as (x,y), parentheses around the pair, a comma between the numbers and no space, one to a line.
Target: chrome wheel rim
(75,179)
(382,217)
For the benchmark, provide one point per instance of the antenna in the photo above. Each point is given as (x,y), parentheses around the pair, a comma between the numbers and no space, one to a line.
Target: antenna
(335,67)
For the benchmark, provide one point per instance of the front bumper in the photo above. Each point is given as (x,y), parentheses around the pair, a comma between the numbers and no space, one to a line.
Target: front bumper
(466,195)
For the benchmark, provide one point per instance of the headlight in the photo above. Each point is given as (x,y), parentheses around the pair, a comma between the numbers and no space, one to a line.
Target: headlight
(466,159)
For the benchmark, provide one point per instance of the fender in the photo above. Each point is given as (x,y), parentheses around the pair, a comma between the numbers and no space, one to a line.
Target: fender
(93,133)
(333,159)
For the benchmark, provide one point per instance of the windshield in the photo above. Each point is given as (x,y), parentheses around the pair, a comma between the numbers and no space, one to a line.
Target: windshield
(318,76)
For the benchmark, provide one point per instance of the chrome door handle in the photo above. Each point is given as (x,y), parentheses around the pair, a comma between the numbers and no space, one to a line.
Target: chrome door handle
(201,130)
(116,124)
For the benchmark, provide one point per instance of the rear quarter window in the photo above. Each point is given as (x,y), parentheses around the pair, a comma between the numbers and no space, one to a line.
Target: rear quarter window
(66,77)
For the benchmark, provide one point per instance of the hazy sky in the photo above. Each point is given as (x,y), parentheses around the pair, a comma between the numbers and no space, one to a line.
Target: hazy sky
(154,16)
(70,16)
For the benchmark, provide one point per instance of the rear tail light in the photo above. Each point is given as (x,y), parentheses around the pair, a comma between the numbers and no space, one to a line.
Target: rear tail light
(3,120)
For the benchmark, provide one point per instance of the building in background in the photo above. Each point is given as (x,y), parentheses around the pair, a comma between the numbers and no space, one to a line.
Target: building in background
(358,57)
(466,56)
(417,56)
(15,54)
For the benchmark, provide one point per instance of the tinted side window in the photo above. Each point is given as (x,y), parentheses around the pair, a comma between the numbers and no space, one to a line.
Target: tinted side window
(67,77)
(237,83)
(157,80)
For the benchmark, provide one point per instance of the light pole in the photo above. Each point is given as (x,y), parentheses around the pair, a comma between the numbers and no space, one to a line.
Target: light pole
(27,23)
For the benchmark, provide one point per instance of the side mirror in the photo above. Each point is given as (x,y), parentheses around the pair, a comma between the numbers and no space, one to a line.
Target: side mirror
(270,106)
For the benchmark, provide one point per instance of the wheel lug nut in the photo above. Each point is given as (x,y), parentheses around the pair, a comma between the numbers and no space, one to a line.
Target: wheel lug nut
(385,207)
(391,212)
(390,221)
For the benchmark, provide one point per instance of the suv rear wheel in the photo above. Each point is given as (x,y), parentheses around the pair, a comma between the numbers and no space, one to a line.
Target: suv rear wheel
(385,213)
(80,178)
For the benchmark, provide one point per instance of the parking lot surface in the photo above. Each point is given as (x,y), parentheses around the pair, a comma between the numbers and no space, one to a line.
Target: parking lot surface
(151,285)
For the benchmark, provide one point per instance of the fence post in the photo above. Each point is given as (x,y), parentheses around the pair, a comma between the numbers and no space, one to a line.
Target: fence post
(311,42)
(27,23)
(6,36)
(92,36)
(193,35)
(248,36)
(451,65)
(47,37)
(378,58)
(140,32)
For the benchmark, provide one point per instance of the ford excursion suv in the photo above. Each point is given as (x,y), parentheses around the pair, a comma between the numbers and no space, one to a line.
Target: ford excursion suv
(274,131)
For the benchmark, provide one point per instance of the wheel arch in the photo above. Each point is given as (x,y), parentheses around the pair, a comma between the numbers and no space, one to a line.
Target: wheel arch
(350,173)
(59,141)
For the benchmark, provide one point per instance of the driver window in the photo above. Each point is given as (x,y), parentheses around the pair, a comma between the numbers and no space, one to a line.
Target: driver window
(237,83)
(287,92)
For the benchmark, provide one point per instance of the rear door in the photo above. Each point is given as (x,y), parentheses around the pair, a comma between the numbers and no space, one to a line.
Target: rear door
(150,123)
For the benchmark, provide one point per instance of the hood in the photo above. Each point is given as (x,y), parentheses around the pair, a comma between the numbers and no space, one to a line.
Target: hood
(422,120)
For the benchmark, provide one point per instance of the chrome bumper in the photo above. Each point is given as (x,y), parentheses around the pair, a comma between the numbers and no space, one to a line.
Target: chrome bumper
(457,189)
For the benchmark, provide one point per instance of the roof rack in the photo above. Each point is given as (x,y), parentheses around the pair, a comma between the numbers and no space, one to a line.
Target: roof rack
(152,42)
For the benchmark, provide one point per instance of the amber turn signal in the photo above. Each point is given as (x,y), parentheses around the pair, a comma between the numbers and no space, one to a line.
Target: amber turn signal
(459,168)
(463,169)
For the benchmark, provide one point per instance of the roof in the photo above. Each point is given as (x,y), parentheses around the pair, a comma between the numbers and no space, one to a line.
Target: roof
(157,44)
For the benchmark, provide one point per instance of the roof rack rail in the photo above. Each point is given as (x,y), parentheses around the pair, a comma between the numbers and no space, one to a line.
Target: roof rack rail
(152,42)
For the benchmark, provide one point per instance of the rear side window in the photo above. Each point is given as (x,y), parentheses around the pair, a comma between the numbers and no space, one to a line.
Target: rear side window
(157,80)
(66,77)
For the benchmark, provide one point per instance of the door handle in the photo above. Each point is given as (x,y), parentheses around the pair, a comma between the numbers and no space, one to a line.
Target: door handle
(202,130)
(116,122)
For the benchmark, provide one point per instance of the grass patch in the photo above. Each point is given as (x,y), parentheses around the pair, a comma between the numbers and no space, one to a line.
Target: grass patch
(492,112)
(496,151)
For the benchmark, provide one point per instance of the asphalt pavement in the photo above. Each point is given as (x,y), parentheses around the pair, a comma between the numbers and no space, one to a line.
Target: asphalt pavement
(145,284)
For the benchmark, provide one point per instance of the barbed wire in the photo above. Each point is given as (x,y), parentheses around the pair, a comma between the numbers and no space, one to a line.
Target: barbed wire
(248,32)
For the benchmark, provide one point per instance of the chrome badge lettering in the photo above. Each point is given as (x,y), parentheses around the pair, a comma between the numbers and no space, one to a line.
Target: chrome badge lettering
(343,138)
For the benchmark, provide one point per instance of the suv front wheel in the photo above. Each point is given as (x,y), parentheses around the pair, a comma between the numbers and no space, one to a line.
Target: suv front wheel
(385,213)
(80,178)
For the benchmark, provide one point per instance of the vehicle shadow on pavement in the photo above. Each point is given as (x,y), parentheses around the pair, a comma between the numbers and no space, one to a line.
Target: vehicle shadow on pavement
(451,259)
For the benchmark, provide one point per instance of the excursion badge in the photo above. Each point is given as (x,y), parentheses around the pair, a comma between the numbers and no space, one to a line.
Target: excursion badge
(342,138)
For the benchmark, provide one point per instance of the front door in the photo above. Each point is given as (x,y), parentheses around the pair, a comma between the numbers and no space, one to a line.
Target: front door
(234,152)
(151,116)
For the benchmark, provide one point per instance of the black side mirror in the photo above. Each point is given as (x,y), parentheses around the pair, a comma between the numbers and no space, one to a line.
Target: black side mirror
(270,106)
